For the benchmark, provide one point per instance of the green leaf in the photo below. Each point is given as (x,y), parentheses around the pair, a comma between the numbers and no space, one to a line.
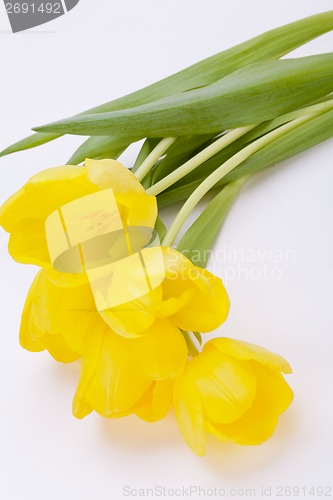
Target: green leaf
(198,337)
(271,45)
(304,137)
(199,238)
(101,147)
(160,228)
(176,194)
(160,231)
(32,141)
(254,94)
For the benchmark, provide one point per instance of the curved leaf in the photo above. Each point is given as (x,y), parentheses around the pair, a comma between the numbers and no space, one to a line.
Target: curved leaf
(254,94)
(199,238)
(99,148)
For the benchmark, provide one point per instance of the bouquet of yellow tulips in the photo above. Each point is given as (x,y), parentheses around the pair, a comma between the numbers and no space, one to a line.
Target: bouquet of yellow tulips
(114,291)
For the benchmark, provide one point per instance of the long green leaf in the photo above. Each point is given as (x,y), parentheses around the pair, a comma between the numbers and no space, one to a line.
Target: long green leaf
(254,94)
(199,238)
(32,141)
(176,194)
(160,229)
(98,148)
(304,137)
(271,45)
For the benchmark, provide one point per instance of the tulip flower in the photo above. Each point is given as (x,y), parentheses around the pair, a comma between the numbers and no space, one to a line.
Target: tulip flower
(124,376)
(119,375)
(24,214)
(232,390)
(193,299)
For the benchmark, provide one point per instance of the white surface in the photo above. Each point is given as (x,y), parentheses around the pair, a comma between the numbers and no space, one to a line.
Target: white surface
(99,51)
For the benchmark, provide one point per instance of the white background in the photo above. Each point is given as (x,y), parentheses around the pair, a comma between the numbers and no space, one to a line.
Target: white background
(99,51)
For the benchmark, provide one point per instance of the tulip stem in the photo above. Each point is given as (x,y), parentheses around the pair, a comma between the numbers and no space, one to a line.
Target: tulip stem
(152,158)
(198,159)
(192,349)
(224,169)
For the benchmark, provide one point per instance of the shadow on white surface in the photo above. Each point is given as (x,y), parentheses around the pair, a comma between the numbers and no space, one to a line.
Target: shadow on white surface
(134,435)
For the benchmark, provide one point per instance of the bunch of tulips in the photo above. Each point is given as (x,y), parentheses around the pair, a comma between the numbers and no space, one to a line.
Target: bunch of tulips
(124,295)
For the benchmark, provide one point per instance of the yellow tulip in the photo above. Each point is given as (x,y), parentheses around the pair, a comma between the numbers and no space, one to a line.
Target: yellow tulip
(192,298)
(119,376)
(233,390)
(24,214)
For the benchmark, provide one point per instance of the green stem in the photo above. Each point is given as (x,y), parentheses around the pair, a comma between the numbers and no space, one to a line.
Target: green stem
(198,159)
(192,349)
(152,158)
(224,169)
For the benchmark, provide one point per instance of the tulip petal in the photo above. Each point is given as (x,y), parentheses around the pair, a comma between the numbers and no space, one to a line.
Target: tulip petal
(157,401)
(110,173)
(27,244)
(44,193)
(140,209)
(161,353)
(134,318)
(35,340)
(190,414)
(55,311)
(208,307)
(227,386)
(28,339)
(137,209)
(109,384)
(257,425)
(252,430)
(274,392)
(67,280)
(24,213)
(245,351)
(172,305)
(58,348)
